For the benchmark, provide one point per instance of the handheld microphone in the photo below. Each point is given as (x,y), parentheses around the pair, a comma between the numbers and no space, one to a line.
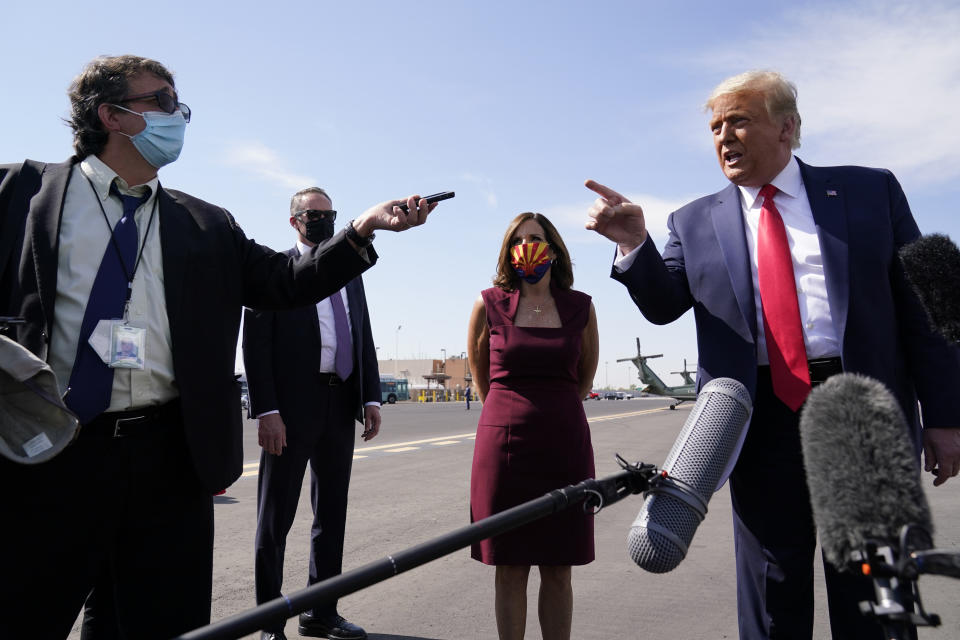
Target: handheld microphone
(699,460)
(932,264)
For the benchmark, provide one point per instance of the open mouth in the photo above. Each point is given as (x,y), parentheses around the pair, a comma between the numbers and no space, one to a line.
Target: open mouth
(731,157)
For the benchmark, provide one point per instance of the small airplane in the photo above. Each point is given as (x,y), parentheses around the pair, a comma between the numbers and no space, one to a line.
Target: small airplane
(656,386)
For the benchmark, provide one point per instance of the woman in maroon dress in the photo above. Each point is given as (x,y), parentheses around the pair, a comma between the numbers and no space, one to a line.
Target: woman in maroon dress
(533,347)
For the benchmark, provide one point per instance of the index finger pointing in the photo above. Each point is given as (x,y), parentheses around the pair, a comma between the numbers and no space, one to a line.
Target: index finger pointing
(605,192)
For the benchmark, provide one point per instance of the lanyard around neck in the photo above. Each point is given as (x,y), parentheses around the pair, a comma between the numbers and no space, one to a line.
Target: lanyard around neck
(116,247)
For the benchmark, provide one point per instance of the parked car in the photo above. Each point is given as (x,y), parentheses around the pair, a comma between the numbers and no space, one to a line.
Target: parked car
(593,395)
(610,395)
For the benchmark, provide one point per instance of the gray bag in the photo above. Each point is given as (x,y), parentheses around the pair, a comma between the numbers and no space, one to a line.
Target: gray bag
(35,425)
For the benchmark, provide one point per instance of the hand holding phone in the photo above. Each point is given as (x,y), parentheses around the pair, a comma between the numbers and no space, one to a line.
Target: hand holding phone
(436,197)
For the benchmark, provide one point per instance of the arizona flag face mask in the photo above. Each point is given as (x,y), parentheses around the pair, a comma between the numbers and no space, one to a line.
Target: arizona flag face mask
(531,260)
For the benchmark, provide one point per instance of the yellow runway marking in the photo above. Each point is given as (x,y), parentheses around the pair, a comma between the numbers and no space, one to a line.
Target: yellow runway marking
(445,442)
(399,449)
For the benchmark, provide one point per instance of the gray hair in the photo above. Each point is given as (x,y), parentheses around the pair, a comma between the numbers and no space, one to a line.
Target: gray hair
(780,95)
(103,80)
(295,200)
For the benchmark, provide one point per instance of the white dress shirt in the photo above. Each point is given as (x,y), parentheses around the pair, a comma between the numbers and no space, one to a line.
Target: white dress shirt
(84,236)
(791,200)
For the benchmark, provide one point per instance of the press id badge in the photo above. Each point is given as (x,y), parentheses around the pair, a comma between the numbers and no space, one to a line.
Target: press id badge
(119,345)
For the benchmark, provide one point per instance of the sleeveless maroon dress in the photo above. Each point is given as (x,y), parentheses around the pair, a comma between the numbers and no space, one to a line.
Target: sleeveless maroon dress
(533,435)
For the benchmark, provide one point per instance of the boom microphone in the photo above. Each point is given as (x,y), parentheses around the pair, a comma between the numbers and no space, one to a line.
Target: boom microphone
(695,466)
(862,474)
(932,264)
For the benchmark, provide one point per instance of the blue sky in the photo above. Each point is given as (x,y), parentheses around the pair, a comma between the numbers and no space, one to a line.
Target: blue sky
(510,104)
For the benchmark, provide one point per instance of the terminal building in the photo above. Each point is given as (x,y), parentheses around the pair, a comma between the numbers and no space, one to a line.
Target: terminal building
(426,380)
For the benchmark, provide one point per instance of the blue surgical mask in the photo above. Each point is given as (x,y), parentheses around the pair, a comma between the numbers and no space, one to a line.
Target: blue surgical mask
(161,140)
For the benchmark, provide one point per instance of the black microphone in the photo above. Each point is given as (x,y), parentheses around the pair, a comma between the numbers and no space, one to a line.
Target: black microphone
(932,264)
(676,504)
(866,493)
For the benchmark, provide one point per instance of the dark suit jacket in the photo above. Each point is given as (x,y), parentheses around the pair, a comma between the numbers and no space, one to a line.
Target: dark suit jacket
(281,353)
(211,271)
(862,219)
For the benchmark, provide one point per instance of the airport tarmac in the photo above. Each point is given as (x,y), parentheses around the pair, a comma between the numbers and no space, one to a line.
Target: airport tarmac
(411,484)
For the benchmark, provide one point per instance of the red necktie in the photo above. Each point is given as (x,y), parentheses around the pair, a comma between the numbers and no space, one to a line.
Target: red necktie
(781,311)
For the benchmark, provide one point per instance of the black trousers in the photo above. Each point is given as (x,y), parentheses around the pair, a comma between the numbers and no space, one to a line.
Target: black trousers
(127,514)
(328,447)
(775,536)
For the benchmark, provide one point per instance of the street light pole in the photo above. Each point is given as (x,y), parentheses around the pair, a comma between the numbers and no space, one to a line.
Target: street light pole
(396,353)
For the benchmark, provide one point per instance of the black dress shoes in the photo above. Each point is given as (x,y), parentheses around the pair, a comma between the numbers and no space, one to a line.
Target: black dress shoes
(272,635)
(333,627)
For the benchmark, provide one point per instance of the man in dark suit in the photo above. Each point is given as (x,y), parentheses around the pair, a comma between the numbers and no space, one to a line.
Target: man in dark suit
(311,373)
(793,275)
(95,248)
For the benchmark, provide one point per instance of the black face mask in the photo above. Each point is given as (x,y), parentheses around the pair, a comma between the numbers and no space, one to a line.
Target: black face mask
(316,231)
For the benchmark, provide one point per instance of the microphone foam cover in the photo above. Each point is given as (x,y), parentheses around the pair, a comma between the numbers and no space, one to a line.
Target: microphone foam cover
(862,473)
(932,264)
(660,535)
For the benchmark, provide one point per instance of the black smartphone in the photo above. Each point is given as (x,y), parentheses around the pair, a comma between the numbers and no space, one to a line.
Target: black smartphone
(437,197)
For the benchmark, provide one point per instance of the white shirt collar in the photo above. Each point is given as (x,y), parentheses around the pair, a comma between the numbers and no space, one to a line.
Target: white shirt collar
(788,181)
(102,176)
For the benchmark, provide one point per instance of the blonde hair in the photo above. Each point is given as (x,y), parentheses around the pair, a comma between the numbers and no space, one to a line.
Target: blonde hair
(779,95)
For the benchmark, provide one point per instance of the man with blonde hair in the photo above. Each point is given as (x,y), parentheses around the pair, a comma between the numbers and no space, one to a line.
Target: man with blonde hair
(793,275)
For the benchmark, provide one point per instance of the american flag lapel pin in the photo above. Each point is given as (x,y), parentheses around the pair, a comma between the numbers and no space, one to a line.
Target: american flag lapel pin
(831,193)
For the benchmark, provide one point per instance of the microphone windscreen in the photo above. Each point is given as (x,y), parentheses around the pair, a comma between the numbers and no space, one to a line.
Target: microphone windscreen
(670,515)
(932,264)
(862,473)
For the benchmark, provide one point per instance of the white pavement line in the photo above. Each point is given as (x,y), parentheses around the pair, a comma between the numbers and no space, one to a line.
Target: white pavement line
(399,447)
(630,414)
(413,442)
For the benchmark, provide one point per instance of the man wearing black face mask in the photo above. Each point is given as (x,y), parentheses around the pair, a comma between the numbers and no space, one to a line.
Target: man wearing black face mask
(311,373)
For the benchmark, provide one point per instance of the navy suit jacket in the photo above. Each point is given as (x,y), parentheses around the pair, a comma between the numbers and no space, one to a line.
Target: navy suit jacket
(211,271)
(862,219)
(281,353)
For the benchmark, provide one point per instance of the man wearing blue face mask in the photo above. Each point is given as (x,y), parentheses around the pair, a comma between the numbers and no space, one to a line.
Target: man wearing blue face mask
(95,254)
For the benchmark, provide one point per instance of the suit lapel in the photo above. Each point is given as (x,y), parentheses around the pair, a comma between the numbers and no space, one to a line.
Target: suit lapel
(356,316)
(177,235)
(312,309)
(727,216)
(46,210)
(827,202)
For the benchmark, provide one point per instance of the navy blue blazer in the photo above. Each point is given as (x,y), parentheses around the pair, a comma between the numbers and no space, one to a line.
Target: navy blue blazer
(862,219)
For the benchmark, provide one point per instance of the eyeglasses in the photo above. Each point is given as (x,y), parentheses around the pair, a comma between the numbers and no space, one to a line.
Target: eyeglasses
(166,102)
(312,215)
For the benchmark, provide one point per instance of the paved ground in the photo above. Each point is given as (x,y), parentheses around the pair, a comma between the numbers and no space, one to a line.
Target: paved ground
(412,485)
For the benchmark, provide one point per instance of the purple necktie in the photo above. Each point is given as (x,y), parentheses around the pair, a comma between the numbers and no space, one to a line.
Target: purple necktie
(91,381)
(343,363)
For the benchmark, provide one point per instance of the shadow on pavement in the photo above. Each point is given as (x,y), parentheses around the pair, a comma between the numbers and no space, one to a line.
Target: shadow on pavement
(390,636)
